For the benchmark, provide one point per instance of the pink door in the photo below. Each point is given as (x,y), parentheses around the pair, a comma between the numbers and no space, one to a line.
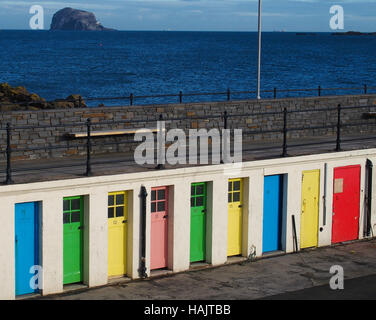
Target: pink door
(159,228)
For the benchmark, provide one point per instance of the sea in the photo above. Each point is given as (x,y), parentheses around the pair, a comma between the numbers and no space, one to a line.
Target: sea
(102,65)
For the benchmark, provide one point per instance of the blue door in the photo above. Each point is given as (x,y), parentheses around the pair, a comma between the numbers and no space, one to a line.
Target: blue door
(26,244)
(272,220)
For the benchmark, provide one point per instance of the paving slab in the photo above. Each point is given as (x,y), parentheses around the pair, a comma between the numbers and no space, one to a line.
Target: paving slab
(273,277)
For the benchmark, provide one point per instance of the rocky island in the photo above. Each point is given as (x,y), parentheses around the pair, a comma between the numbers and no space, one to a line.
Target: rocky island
(76,20)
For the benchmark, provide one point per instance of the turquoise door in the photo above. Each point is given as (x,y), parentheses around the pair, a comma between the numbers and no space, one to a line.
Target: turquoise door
(272,220)
(26,245)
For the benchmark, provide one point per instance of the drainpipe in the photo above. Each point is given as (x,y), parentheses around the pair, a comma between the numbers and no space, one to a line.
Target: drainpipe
(368,227)
(324,196)
(294,234)
(143,195)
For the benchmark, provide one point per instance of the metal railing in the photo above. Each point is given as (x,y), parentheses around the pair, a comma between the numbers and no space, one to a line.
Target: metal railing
(284,145)
(226,95)
(229,95)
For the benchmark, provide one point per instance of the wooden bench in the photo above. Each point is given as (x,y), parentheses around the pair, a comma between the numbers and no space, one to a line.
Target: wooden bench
(110,133)
(369,115)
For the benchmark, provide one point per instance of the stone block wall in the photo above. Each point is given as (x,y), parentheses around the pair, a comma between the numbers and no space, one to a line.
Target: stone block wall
(35,130)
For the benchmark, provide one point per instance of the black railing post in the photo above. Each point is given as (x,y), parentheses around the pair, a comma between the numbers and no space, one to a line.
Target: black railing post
(8,152)
(225,118)
(131,98)
(284,152)
(275,93)
(79,102)
(338,147)
(225,126)
(180,97)
(160,145)
(88,149)
(365,89)
(228,94)
(319,91)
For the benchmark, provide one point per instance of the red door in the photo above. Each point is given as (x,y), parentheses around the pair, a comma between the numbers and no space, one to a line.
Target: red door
(346,197)
(159,228)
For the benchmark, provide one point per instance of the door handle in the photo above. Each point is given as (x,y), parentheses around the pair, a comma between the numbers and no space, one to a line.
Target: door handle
(240,206)
(125,221)
(203,211)
(164,217)
(80,228)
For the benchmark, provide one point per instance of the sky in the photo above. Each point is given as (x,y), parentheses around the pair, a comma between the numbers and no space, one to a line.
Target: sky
(201,15)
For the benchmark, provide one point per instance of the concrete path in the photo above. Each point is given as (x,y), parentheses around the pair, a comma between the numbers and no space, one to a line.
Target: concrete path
(363,288)
(276,277)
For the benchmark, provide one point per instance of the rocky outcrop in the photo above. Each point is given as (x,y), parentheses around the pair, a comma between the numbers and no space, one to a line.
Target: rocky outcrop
(72,19)
(354,33)
(19,98)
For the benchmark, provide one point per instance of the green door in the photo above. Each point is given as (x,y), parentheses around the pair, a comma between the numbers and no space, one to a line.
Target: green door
(73,239)
(198,222)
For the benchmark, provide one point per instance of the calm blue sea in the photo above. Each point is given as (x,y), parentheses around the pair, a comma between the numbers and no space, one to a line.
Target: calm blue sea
(104,64)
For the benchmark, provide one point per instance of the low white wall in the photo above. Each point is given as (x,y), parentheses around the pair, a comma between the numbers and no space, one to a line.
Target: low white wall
(96,189)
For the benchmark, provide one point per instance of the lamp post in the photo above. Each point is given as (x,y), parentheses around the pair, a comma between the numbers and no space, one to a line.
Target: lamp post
(259,53)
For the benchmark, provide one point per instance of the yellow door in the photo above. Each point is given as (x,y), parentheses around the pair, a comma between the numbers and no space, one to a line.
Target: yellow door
(310,209)
(235,217)
(117,233)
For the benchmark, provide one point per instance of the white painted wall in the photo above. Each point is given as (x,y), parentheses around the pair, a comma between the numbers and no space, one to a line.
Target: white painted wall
(7,253)
(96,189)
(52,255)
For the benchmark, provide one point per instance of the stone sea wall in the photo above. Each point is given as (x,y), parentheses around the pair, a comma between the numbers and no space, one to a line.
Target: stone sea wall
(43,128)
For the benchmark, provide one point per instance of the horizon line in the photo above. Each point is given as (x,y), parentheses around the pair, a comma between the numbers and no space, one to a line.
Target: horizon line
(168,30)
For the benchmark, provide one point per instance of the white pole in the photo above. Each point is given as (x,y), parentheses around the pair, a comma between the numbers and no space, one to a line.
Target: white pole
(259,54)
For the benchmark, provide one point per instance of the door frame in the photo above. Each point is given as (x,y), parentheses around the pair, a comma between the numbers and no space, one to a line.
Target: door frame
(244,187)
(38,206)
(128,255)
(168,195)
(207,230)
(284,177)
(84,237)
(361,167)
(321,193)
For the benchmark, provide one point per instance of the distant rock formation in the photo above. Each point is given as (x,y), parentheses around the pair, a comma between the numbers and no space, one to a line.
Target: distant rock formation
(354,33)
(72,19)
(19,98)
